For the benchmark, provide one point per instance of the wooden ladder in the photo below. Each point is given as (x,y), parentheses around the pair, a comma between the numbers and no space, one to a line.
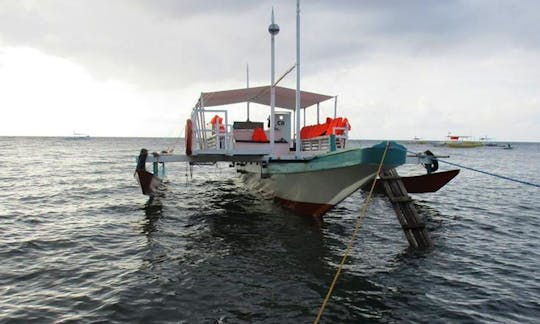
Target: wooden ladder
(413,226)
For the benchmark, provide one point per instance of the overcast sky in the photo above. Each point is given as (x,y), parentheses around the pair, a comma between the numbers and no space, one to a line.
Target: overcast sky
(400,68)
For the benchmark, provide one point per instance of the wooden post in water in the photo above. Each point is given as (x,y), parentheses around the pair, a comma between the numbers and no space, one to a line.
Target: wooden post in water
(413,226)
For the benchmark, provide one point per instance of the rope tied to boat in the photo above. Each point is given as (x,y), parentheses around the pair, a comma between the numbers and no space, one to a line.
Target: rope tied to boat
(353,237)
(434,158)
(492,174)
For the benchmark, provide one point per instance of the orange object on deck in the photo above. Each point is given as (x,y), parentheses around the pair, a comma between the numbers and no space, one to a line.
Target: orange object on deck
(327,128)
(335,123)
(259,135)
(344,123)
(217,121)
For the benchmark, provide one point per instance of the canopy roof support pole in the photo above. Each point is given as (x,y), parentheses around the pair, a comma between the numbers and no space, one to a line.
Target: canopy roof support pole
(294,125)
(226,139)
(247,86)
(318,113)
(195,121)
(203,122)
(198,128)
(335,107)
(298,146)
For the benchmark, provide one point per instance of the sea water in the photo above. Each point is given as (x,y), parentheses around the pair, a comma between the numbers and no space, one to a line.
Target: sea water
(79,242)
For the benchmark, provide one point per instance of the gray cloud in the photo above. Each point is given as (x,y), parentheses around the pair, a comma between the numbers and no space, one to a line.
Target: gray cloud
(169,43)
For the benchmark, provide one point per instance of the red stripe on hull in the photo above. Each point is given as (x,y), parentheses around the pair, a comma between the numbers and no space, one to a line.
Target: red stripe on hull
(304,208)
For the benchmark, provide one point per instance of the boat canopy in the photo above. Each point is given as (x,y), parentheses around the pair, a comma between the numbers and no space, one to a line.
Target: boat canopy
(285,97)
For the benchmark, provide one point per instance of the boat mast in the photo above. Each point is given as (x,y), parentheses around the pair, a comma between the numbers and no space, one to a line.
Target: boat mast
(273,29)
(297,151)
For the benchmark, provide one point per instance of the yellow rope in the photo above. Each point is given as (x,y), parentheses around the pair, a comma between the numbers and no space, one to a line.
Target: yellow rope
(353,238)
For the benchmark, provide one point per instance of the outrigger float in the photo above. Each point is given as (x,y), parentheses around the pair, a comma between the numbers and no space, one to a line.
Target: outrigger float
(308,169)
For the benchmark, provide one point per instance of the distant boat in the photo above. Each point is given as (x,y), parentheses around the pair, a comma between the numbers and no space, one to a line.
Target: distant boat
(418,140)
(78,136)
(459,141)
(508,147)
(488,141)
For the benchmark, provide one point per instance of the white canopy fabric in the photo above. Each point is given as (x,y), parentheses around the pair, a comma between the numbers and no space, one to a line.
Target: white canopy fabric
(285,97)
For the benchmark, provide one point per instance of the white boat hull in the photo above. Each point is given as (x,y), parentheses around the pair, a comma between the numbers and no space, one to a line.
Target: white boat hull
(312,187)
(326,188)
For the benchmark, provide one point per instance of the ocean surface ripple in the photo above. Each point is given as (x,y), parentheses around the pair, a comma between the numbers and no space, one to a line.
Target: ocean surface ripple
(79,243)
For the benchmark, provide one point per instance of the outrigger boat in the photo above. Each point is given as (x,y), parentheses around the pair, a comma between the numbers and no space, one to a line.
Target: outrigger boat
(309,178)
(306,169)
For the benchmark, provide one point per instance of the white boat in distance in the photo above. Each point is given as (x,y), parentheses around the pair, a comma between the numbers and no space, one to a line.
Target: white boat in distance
(78,136)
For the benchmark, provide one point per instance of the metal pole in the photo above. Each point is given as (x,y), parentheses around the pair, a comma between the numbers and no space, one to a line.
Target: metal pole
(284,74)
(335,107)
(317,112)
(297,151)
(226,136)
(294,124)
(247,78)
(273,29)
(203,122)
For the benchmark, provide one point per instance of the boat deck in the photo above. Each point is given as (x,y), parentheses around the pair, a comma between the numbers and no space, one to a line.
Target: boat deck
(222,157)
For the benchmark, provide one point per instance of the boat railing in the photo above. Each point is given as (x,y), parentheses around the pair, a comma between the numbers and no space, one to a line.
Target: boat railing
(324,143)
(215,138)
(319,143)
